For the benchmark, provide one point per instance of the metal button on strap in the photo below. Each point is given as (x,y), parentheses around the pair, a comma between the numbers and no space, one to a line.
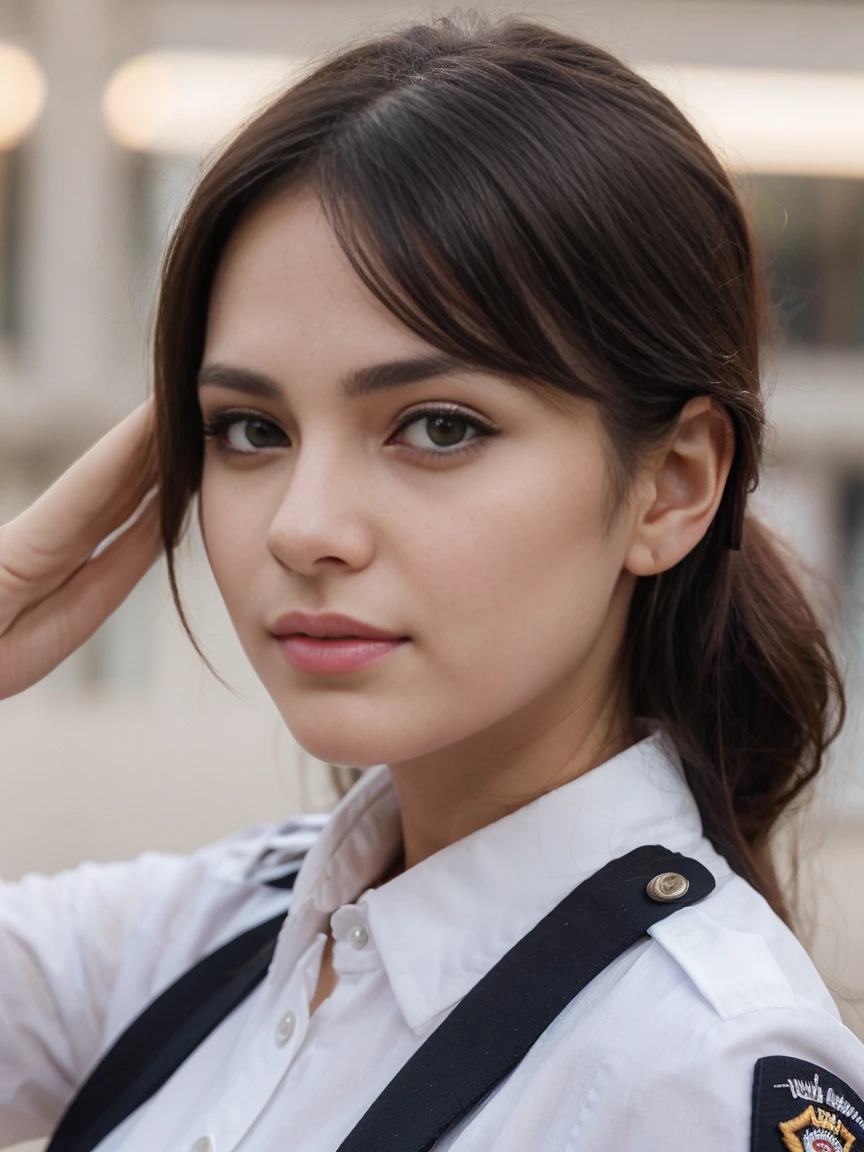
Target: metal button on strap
(668,886)
(285,1028)
(358,937)
(204,1144)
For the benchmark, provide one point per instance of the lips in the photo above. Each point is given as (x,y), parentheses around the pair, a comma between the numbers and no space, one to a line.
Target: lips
(329,626)
(329,643)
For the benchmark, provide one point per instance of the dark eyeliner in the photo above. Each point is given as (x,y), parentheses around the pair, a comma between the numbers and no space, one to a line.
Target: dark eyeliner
(223,420)
(215,428)
(486,430)
(217,424)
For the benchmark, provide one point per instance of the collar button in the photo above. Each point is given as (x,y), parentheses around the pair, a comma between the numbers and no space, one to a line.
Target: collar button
(285,1029)
(358,937)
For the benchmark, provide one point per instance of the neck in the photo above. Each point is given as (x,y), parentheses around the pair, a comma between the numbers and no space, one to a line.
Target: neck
(461,788)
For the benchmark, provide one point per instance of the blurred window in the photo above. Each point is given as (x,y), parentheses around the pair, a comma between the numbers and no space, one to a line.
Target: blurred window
(853,577)
(812,231)
(10,229)
(161,187)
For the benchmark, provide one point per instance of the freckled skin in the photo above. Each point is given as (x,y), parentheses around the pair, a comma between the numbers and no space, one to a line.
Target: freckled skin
(499,563)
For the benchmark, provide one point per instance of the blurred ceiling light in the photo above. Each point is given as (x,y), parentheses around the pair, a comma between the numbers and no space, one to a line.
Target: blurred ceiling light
(22,93)
(767,120)
(184,102)
(762,120)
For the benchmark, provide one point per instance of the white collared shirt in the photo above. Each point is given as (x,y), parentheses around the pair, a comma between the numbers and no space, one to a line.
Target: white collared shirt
(656,1053)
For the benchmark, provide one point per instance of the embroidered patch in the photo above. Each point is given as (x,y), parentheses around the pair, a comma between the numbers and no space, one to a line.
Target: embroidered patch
(803,1108)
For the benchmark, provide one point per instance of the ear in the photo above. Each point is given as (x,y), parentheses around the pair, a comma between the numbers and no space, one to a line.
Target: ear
(683,483)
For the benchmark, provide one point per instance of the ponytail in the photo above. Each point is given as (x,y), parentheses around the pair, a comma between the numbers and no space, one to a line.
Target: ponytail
(727,652)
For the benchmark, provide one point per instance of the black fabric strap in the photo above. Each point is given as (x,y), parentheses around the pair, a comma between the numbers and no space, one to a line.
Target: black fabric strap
(479,1043)
(166,1033)
(492,1028)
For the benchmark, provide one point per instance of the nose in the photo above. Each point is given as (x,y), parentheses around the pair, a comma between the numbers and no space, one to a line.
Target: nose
(323,521)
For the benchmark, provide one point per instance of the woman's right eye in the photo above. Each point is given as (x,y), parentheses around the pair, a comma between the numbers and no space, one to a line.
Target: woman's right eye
(246,434)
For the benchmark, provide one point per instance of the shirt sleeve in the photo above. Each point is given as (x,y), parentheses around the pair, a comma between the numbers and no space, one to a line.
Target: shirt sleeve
(696,1088)
(62,941)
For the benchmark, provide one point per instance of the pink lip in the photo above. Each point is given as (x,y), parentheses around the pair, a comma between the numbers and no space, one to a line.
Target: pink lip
(329,642)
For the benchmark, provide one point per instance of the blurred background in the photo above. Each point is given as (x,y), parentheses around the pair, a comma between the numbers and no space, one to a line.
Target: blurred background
(107,109)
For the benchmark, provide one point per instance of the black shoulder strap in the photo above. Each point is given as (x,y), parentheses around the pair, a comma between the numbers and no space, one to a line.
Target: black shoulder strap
(166,1033)
(477,1045)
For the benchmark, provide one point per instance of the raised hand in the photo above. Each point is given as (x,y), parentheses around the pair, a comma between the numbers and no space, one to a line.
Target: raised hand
(59,579)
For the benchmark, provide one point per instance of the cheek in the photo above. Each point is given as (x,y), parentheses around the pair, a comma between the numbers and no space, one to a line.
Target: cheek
(519,583)
(234,528)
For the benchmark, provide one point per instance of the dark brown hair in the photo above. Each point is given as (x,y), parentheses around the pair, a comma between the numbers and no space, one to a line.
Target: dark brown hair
(526,202)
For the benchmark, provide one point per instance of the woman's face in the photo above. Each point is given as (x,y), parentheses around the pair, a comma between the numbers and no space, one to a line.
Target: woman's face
(460,511)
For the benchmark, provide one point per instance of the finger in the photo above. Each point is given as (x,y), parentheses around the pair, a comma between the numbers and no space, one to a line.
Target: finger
(43,546)
(19,595)
(44,636)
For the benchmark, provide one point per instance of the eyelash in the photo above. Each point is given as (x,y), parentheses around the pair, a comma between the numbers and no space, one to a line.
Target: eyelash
(216,428)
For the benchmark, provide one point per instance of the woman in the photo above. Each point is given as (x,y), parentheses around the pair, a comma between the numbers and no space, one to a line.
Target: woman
(458,349)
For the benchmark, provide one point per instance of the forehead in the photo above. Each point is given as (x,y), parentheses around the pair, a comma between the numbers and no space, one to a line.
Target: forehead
(284,283)
(286,304)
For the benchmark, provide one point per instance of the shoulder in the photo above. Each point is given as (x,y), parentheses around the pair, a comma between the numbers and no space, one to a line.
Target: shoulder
(224,888)
(206,899)
(81,952)
(139,923)
(727,1018)
(260,855)
(746,985)
(739,955)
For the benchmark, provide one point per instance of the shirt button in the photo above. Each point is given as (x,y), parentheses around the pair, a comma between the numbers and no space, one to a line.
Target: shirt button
(358,937)
(204,1144)
(284,1032)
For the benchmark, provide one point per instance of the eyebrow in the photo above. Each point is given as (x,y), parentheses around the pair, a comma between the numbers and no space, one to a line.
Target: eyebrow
(361,382)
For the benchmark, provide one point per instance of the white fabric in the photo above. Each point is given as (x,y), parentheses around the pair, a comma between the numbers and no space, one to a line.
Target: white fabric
(656,1054)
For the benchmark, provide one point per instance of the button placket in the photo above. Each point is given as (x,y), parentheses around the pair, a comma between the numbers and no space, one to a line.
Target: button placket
(257,1062)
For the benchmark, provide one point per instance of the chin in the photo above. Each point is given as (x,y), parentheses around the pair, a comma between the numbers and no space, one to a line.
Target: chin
(353,728)
(337,744)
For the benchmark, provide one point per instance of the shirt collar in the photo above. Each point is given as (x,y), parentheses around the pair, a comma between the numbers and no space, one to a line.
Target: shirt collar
(443,924)
(359,840)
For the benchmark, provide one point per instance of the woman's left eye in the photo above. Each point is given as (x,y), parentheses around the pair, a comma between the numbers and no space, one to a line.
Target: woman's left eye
(246,434)
(441,431)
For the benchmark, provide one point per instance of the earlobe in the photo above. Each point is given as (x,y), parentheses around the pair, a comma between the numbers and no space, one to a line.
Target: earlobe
(683,487)
(642,559)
